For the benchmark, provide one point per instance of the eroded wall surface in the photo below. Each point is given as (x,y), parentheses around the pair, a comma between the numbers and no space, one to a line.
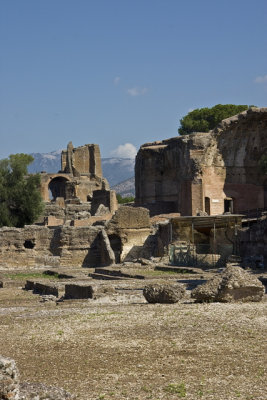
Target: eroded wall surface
(213,172)
(34,246)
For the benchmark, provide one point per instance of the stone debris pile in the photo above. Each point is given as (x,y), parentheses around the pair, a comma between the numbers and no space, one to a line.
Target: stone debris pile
(233,285)
(164,292)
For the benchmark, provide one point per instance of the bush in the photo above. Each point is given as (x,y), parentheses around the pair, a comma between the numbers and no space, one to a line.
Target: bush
(124,200)
(20,198)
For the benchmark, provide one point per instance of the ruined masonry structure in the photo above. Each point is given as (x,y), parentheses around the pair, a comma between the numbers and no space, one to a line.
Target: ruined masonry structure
(214,172)
(80,175)
(79,181)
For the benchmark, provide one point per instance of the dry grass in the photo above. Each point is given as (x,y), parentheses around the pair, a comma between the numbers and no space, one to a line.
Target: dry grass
(127,349)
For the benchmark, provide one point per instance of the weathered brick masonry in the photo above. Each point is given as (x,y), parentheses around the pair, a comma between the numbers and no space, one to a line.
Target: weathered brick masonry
(215,172)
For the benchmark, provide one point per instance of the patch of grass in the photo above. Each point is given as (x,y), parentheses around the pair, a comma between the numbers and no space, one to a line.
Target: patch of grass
(158,272)
(146,389)
(176,388)
(30,275)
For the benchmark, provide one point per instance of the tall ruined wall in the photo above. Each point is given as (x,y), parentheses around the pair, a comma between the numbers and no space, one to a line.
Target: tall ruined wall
(204,171)
(81,160)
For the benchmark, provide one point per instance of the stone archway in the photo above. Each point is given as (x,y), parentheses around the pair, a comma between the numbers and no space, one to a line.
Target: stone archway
(57,187)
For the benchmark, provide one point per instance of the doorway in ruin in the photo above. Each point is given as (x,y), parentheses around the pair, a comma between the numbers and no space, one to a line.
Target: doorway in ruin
(229,205)
(57,187)
(207,205)
(265,193)
(115,243)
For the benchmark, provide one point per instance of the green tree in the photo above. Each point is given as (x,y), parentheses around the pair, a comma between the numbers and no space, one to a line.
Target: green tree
(205,119)
(20,198)
(124,200)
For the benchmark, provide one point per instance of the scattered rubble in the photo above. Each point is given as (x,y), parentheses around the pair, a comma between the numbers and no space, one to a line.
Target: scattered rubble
(164,292)
(233,284)
(9,379)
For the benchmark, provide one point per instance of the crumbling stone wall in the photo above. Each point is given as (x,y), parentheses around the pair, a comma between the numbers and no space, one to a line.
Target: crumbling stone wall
(34,246)
(213,172)
(129,231)
(81,160)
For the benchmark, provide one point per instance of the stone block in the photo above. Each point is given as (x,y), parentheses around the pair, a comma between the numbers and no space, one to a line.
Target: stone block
(29,285)
(127,217)
(45,289)
(164,293)
(78,291)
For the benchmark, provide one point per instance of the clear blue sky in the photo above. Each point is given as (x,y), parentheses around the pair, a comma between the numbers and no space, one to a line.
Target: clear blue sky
(123,71)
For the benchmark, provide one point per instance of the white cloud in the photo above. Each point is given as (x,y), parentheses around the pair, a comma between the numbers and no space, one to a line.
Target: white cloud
(137,91)
(116,80)
(127,150)
(261,79)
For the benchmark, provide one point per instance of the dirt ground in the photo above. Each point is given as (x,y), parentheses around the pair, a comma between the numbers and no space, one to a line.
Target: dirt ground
(119,347)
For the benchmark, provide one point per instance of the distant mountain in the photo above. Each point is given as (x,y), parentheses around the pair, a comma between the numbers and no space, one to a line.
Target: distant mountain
(126,188)
(115,170)
(49,162)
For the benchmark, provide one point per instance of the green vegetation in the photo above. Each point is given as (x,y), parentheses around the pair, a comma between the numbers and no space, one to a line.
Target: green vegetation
(20,197)
(178,389)
(263,164)
(205,119)
(30,275)
(124,200)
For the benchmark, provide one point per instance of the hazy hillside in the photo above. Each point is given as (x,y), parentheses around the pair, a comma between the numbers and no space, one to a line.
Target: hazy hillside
(126,188)
(116,170)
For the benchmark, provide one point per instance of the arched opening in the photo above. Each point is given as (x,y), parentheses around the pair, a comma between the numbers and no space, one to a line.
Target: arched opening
(207,205)
(29,244)
(115,243)
(229,205)
(265,193)
(57,187)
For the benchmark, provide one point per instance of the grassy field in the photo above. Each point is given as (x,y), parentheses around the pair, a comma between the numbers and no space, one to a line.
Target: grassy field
(122,348)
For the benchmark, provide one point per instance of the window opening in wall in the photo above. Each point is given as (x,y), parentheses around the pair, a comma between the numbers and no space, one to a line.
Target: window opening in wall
(29,244)
(207,205)
(228,205)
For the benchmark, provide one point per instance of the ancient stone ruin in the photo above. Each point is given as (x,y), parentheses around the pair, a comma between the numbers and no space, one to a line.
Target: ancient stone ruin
(199,184)
(79,190)
(210,173)
(127,235)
